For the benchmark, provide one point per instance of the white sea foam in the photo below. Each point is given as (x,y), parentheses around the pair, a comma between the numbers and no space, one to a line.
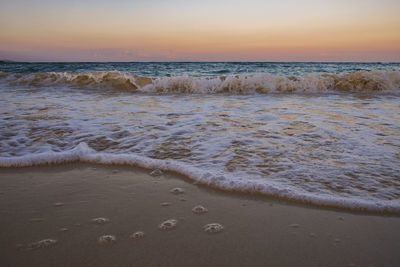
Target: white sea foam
(106,240)
(45,243)
(137,235)
(213,228)
(82,153)
(233,132)
(199,209)
(100,220)
(168,225)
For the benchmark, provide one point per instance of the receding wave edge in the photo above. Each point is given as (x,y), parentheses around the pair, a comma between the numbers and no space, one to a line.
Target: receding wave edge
(83,153)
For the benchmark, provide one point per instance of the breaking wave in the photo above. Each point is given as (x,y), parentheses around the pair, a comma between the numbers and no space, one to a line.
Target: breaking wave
(257,83)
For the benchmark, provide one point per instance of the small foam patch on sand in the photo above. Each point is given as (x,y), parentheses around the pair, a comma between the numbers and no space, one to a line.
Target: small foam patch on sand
(168,225)
(100,220)
(106,239)
(199,209)
(137,235)
(177,191)
(45,243)
(156,172)
(213,228)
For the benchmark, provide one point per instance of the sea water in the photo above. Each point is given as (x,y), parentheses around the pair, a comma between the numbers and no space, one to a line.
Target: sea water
(321,133)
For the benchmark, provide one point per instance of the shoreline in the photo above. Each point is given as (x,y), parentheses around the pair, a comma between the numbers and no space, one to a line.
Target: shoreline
(82,154)
(36,202)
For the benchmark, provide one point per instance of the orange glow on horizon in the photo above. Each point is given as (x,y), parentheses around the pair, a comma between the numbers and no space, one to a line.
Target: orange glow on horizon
(185,34)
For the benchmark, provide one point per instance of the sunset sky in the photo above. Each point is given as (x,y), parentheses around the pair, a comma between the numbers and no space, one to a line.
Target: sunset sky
(186,30)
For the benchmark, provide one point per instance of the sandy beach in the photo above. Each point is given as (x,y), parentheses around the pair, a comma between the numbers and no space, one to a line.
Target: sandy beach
(199,133)
(59,202)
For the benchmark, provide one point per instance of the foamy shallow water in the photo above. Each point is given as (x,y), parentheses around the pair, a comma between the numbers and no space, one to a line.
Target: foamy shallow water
(328,148)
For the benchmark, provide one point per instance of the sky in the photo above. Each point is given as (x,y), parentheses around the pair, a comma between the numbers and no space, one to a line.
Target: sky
(200,30)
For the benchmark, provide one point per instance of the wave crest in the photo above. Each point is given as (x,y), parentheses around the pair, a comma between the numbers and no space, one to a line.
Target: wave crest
(261,83)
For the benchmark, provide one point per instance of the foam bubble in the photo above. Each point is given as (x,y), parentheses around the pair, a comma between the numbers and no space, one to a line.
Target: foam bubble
(100,220)
(168,225)
(156,173)
(137,235)
(106,239)
(45,243)
(199,209)
(213,228)
(177,191)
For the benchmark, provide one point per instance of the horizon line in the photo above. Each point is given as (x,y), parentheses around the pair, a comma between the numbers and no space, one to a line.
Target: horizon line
(189,61)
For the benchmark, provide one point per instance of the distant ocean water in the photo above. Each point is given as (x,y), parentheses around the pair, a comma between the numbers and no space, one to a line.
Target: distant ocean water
(321,133)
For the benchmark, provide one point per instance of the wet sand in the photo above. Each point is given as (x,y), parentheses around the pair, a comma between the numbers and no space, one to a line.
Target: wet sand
(60,202)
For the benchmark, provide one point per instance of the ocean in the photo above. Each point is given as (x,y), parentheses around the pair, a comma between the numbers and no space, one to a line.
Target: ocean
(319,133)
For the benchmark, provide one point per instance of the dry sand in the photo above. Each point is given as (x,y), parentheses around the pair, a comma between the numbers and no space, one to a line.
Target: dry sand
(59,202)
